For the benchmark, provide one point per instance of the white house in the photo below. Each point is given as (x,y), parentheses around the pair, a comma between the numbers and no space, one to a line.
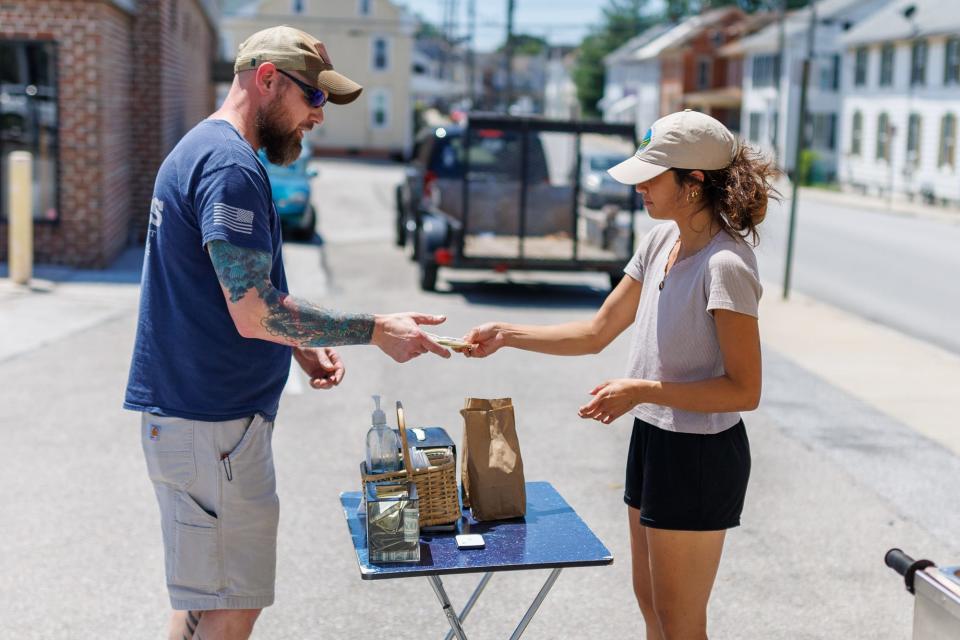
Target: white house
(631,91)
(764,102)
(371,41)
(902,101)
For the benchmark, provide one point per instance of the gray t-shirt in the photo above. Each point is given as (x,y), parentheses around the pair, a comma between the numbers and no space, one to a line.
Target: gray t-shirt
(675,338)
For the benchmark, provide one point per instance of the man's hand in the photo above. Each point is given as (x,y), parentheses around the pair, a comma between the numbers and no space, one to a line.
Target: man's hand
(322,364)
(487,339)
(399,335)
(612,399)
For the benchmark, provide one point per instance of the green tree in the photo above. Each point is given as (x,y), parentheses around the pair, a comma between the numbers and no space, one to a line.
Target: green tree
(678,9)
(525,44)
(622,20)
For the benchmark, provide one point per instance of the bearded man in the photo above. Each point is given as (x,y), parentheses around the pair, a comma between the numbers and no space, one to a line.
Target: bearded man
(217,327)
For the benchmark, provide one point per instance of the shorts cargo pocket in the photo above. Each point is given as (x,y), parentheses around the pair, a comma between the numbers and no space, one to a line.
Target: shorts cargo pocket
(168,449)
(196,561)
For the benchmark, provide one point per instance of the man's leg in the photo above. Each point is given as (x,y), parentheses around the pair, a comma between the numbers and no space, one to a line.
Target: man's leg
(183,625)
(226,624)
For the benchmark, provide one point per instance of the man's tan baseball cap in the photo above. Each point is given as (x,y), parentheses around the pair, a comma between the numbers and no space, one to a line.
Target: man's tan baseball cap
(682,140)
(298,53)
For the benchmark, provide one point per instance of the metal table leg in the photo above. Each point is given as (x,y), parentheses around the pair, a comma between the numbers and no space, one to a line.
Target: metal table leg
(447,609)
(473,599)
(528,616)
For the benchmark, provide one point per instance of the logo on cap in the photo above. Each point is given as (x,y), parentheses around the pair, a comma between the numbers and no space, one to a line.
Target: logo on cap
(646,141)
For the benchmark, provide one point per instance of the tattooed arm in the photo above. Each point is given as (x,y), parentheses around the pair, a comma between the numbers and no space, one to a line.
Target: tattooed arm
(260,311)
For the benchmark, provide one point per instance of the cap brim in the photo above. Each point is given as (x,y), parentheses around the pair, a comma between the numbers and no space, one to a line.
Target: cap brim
(633,170)
(340,89)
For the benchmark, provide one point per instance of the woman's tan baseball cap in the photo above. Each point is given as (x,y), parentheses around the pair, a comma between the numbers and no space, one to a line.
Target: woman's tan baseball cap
(301,54)
(682,140)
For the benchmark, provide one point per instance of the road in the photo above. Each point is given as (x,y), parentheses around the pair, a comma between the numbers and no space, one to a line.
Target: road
(835,483)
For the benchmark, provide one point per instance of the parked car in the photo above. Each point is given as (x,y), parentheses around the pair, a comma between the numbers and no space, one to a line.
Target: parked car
(434,178)
(291,195)
(597,187)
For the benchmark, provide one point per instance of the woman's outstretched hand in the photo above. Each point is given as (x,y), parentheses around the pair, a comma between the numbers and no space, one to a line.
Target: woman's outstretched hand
(612,399)
(486,340)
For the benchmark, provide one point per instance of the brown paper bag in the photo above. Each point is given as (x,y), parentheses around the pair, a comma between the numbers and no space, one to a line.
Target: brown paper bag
(491,469)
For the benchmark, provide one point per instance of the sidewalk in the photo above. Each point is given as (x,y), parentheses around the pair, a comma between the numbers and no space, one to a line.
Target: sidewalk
(949,215)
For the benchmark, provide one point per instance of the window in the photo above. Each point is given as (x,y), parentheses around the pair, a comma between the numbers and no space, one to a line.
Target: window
(29,119)
(918,62)
(381,58)
(913,139)
(704,73)
(756,121)
(951,63)
(860,61)
(856,134)
(363,7)
(948,141)
(886,65)
(765,70)
(830,73)
(883,137)
(823,131)
(379,109)
(298,6)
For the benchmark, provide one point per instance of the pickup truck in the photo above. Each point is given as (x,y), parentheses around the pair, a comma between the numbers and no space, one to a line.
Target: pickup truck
(504,193)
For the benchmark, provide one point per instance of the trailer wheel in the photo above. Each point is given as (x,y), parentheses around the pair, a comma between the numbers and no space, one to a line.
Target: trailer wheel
(428,273)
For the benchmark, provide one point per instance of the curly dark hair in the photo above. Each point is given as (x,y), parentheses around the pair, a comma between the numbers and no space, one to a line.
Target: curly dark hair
(738,193)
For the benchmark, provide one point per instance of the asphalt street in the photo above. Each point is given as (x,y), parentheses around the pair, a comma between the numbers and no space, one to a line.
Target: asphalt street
(835,482)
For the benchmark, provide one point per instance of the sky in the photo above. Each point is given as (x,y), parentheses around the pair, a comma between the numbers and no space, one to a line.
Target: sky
(559,21)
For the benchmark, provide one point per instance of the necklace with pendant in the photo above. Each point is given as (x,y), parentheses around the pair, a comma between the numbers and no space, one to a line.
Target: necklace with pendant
(665,266)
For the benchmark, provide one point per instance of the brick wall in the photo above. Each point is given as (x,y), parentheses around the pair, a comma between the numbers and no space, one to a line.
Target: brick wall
(129,87)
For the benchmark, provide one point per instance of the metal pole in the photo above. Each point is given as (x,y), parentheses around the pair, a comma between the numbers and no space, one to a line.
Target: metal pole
(508,51)
(801,126)
(20,216)
(471,54)
(528,616)
(447,608)
(472,601)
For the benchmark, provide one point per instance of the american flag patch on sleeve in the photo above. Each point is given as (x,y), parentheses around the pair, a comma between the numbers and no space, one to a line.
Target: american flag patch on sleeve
(233,218)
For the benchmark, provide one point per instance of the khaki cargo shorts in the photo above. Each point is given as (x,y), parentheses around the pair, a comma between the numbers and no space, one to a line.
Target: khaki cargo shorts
(219,509)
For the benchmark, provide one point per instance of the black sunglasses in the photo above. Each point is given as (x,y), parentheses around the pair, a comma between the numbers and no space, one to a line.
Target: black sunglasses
(315,97)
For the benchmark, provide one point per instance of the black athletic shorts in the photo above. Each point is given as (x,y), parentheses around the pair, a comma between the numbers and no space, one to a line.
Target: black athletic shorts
(687,481)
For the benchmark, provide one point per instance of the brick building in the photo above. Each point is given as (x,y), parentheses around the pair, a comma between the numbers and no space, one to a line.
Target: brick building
(99,91)
(691,73)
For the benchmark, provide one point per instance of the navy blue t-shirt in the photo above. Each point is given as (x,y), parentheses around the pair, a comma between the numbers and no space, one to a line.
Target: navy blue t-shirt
(189,361)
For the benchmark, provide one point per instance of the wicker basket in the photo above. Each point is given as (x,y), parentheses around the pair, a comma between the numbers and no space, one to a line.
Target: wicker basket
(436,484)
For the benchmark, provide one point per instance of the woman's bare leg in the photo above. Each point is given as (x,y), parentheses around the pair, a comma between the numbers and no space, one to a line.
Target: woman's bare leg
(642,587)
(683,566)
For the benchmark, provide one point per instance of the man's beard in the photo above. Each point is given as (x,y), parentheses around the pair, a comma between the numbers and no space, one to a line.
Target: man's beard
(282,146)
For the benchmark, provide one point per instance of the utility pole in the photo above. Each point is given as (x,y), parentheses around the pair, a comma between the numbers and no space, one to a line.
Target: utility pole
(471,53)
(778,75)
(444,39)
(801,127)
(508,51)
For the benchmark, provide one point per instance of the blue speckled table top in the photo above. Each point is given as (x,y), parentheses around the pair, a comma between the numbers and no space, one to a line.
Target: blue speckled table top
(551,535)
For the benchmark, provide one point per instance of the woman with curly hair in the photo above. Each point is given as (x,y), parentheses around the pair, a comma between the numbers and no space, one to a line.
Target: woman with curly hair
(692,296)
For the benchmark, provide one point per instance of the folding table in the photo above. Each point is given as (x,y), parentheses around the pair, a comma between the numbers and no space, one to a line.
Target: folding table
(551,536)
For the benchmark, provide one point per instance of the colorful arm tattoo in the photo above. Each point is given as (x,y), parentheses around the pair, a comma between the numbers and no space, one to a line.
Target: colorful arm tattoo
(297,322)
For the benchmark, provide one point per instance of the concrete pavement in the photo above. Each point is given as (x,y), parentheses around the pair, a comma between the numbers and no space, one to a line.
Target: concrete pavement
(853,453)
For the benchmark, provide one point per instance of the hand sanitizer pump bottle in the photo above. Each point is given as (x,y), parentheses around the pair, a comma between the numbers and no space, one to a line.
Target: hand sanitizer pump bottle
(383,445)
